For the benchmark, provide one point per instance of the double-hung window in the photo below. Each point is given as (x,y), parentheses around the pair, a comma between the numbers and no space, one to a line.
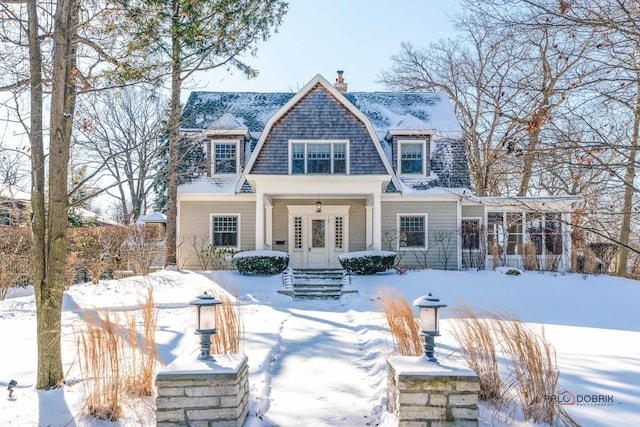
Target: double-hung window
(412,231)
(412,156)
(224,157)
(225,231)
(318,157)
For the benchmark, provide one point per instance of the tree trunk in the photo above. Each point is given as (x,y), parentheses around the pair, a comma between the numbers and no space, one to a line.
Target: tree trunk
(627,200)
(528,161)
(38,254)
(50,373)
(174,135)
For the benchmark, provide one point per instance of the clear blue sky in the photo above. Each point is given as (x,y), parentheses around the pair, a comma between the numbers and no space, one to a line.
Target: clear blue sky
(322,36)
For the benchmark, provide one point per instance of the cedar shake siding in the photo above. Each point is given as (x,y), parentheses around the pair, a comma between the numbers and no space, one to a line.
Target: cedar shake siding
(318,116)
(449,162)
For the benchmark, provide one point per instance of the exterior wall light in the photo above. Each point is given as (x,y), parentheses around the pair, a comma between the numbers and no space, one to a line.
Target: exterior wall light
(318,205)
(429,322)
(205,322)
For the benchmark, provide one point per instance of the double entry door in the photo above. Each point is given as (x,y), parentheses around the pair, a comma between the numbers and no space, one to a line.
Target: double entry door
(318,238)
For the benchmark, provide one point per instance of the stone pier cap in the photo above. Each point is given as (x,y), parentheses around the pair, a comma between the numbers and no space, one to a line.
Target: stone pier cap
(421,366)
(188,367)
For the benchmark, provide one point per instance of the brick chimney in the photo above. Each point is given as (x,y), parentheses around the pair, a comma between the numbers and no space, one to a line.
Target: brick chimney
(340,84)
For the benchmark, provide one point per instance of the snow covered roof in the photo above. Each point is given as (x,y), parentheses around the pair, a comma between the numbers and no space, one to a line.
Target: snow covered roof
(11,192)
(387,113)
(409,122)
(218,184)
(227,122)
(152,217)
(385,110)
(86,214)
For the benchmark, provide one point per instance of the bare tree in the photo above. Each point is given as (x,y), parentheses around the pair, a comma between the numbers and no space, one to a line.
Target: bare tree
(120,134)
(617,51)
(507,74)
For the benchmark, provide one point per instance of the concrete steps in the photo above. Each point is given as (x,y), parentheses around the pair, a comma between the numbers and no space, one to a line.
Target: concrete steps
(315,284)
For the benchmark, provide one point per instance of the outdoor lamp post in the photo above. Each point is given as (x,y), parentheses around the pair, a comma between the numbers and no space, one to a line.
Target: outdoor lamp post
(205,322)
(429,322)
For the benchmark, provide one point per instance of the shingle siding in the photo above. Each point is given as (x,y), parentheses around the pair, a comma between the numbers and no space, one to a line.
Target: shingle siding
(449,162)
(318,116)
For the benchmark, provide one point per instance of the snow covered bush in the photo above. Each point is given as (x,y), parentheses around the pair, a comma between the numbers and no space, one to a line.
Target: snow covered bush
(367,262)
(263,263)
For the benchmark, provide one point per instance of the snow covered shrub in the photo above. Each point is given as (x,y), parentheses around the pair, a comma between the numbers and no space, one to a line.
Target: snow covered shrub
(367,262)
(262,263)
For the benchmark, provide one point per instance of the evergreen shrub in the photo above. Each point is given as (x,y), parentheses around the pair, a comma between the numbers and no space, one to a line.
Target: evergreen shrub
(367,262)
(261,263)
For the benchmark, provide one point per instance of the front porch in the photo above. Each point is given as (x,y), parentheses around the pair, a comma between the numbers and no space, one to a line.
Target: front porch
(315,231)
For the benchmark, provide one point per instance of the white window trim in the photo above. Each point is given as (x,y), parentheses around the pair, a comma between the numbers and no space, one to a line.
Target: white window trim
(426,232)
(224,215)
(212,155)
(481,233)
(424,156)
(318,141)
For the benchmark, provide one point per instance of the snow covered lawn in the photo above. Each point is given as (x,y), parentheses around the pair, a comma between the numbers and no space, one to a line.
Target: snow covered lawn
(322,363)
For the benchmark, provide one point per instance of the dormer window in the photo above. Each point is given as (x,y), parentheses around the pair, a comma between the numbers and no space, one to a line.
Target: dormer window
(318,157)
(412,158)
(224,157)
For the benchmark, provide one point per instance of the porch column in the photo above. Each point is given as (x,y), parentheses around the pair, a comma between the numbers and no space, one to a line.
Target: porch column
(269,225)
(259,221)
(377,222)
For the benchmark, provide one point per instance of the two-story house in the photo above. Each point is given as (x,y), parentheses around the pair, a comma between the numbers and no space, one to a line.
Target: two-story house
(323,172)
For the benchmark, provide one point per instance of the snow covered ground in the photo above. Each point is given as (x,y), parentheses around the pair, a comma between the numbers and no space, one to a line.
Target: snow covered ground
(322,363)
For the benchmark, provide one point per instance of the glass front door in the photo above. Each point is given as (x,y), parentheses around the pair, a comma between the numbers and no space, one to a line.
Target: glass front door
(318,248)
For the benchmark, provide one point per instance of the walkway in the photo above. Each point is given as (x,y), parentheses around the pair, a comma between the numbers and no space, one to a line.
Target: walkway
(323,372)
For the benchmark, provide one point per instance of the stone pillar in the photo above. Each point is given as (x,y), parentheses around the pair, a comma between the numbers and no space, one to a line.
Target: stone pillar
(428,394)
(201,393)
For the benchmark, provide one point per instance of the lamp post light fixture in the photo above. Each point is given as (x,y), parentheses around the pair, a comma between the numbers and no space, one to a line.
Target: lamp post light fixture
(205,322)
(429,322)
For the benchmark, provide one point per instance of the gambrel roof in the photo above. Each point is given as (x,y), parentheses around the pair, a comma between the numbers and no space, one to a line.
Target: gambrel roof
(383,109)
(383,114)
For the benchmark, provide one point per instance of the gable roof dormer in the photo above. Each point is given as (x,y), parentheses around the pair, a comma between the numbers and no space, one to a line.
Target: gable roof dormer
(409,125)
(227,126)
